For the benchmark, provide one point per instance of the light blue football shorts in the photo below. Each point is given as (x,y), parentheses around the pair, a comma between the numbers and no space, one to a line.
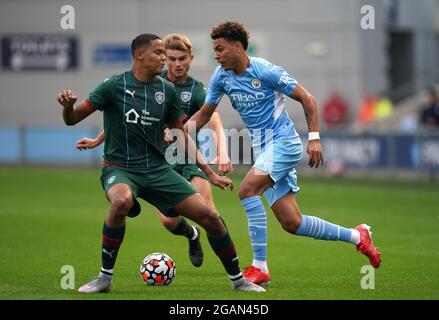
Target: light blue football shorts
(278,159)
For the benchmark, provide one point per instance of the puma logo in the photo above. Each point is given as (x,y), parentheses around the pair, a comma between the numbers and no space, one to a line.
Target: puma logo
(109,253)
(130,93)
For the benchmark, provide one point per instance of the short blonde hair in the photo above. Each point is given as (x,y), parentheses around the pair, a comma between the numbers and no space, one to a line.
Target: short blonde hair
(177,42)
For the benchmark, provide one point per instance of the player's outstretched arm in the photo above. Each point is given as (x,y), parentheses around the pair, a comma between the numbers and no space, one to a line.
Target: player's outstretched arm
(73,114)
(309,104)
(222,157)
(192,152)
(202,116)
(87,143)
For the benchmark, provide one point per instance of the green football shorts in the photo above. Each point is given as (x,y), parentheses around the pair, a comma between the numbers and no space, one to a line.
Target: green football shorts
(162,187)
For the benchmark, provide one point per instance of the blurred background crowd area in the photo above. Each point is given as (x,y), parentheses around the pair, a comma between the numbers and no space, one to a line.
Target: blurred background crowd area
(376,87)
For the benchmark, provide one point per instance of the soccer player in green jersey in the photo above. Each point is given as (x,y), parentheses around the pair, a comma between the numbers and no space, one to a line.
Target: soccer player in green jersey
(136,105)
(191,94)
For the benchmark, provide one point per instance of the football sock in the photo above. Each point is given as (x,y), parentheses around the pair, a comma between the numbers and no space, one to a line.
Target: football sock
(323,230)
(261,265)
(355,237)
(185,229)
(225,250)
(107,273)
(237,280)
(257,226)
(111,241)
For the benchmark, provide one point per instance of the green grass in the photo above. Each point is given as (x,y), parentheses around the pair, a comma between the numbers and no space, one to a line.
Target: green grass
(53,217)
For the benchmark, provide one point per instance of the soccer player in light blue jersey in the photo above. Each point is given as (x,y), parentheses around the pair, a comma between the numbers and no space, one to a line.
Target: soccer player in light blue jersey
(257,90)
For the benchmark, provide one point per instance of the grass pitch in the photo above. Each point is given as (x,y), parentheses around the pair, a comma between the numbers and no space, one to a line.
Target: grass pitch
(53,217)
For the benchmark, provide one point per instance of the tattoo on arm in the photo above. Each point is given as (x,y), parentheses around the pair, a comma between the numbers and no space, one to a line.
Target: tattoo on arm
(309,107)
(311,116)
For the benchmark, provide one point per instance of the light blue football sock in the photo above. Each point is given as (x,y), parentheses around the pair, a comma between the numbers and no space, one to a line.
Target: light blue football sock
(257,226)
(323,230)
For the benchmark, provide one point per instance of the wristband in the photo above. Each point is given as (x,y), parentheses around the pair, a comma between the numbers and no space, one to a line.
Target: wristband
(313,136)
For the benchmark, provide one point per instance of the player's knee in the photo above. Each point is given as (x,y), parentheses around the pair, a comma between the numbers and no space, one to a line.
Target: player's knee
(121,205)
(208,220)
(246,191)
(292,225)
(169,223)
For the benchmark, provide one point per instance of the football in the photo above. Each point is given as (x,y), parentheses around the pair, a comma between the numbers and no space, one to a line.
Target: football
(157,269)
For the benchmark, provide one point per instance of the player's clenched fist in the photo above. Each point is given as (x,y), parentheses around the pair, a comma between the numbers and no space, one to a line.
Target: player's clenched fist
(67,98)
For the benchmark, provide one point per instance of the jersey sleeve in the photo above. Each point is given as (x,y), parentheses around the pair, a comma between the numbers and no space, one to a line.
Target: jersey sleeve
(175,113)
(216,90)
(279,79)
(100,97)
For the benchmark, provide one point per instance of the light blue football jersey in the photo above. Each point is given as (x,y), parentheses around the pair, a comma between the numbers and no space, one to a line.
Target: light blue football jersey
(259,96)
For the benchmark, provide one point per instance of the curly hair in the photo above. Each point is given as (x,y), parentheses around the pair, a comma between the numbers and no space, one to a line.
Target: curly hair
(231,31)
(177,42)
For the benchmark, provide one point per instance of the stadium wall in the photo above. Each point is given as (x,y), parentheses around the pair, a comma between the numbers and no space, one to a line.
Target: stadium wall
(318,42)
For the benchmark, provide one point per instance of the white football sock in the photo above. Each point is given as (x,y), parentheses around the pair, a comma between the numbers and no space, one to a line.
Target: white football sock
(260,265)
(355,237)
